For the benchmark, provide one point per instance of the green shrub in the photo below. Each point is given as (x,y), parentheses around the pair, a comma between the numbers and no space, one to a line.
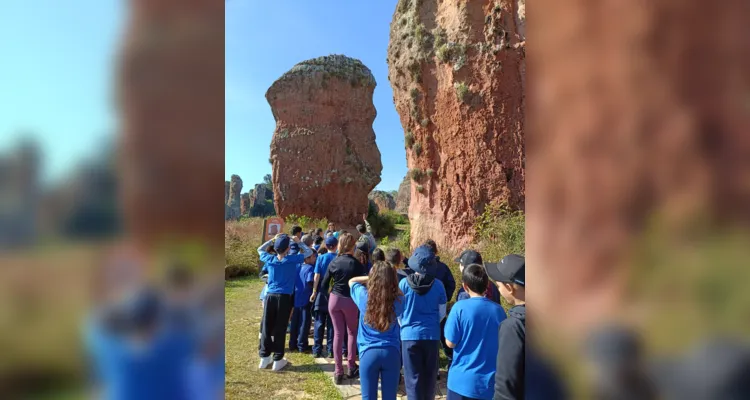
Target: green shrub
(417,149)
(395,217)
(462,91)
(382,225)
(416,174)
(500,231)
(430,173)
(425,122)
(409,139)
(305,222)
(401,241)
(420,188)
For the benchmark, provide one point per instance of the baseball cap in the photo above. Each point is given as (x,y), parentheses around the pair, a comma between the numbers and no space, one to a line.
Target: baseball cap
(331,241)
(293,248)
(363,246)
(281,243)
(469,257)
(511,269)
(422,260)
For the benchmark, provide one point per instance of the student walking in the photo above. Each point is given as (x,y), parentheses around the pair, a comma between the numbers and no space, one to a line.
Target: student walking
(341,308)
(380,303)
(424,308)
(282,269)
(471,329)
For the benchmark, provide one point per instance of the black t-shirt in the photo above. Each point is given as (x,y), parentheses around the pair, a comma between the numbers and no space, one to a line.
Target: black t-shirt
(343,268)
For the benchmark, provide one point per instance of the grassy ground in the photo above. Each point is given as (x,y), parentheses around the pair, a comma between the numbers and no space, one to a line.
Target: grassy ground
(300,380)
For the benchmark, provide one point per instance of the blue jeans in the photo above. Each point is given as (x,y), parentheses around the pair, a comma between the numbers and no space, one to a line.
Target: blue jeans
(323,324)
(383,362)
(300,332)
(420,368)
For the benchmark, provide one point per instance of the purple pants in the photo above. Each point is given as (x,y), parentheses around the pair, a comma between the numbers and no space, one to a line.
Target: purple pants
(344,315)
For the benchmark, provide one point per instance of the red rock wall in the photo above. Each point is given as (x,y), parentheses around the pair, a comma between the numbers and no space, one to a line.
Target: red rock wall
(324,155)
(456,69)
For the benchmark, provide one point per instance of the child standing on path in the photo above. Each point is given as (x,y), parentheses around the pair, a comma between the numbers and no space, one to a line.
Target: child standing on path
(444,274)
(301,316)
(510,277)
(341,308)
(424,308)
(471,329)
(323,323)
(380,303)
(277,305)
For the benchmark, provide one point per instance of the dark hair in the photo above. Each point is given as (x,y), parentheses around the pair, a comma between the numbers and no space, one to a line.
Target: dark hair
(382,294)
(378,255)
(322,250)
(432,245)
(475,278)
(361,228)
(318,240)
(296,229)
(393,256)
(362,256)
(179,275)
(319,231)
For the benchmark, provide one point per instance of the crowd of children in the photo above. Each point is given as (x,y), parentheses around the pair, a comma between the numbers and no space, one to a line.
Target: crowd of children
(391,313)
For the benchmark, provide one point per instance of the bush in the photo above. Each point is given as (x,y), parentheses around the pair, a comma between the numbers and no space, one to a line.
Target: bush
(416,174)
(241,239)
(397,218)
(402,241)
(500,231)
(462,91)
(417,149)
(305,222)
(420,188)
(382,225)
(409,139)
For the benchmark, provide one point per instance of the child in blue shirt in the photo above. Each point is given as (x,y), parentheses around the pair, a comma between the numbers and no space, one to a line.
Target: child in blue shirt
(424,308)
(471,330)
(467,258)
(379,303)
(278,303)
(323,323)
(302,313)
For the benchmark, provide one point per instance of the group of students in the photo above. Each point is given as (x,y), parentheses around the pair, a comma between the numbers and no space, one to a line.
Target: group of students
(390,312)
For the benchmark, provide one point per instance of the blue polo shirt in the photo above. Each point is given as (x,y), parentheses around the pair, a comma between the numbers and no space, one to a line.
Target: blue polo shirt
(303,285)
(281,273)
(473,326)
(420,319)
(369,337)
(321,264)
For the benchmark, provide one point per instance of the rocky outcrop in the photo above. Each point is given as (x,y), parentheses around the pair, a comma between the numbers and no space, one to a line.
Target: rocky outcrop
(20,192)
(234,203)
(456,69)
(259,195)
(404,195)
(245,204)
(227,211)
(382,200)
(324,156)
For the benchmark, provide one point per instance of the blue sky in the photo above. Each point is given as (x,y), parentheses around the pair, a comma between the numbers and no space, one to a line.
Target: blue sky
(55,77)
(264,39)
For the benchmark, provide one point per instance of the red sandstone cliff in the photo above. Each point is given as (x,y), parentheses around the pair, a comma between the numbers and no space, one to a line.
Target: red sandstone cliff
(324,155)
(457,70)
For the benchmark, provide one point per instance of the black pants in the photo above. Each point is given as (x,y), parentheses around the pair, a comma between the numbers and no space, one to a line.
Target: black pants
(276,311)
(447,350)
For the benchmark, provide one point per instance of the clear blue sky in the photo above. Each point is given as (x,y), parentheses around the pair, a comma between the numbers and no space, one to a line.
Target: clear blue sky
(55,77)
(264,39)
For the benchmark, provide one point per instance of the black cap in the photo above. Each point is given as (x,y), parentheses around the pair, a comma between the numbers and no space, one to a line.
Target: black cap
(469,257)
(511,269)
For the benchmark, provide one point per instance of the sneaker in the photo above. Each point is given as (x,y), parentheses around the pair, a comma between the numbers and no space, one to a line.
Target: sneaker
(338,379)
(279,365)
(318,355)
(353,373)
(330,354)
(265,362)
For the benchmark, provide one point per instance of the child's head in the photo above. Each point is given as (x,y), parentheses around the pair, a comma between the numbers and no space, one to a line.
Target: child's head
(308,240)
(346,243)
(331,227)
(362,253)
(319,232)
(281,245)
(331,243)
(297,231)
(322,250)
(432,245)
(467,258)
(393,256)
(311,259)
(361,229)
(475,279)
(510,276)
(378,255)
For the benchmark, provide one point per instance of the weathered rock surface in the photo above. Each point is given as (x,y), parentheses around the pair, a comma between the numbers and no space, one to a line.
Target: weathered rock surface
(404,196)
(235,201)
(382,200)
(245,204)
(325,159)
(456,69)
(259,195)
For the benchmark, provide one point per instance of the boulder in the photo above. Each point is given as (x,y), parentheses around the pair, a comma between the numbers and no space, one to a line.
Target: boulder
(457,73)
(403,196)
(383,200)
(234,203)
(324,156)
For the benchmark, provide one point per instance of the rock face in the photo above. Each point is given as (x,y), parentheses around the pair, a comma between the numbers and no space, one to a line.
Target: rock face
(234,203)
(245,204)
(383,200)
(404,196)
(259,195)
(325,159)
(227,211)
(457,72)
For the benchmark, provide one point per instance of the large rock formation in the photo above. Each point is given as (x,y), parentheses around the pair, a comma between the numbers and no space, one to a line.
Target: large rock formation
(259,195)
(245,204)
(227,211)
(382,200)
(324,155)
(403,197)
(456,69)
(234,203)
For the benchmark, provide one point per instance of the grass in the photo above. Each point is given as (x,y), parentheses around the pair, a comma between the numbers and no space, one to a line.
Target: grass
(302,379)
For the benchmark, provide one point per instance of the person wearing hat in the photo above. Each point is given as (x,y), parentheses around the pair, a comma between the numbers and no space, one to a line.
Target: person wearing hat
(301,314)
(467,258)
(424,308)
(471,329)
(277,306)
(444,274)
(365,234)
(510,276)
(323,324)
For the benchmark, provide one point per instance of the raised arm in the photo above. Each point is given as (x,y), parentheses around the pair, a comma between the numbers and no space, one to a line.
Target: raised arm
(358,279)
(263,247)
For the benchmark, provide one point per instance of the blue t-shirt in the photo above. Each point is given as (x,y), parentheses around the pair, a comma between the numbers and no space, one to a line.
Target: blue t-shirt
(281,273)
(369,337)
(303,285)
(473,326)
(421,317)
(492,293)
(321,264)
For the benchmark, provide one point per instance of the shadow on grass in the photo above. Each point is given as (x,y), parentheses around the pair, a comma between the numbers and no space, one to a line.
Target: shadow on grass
(240,282)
